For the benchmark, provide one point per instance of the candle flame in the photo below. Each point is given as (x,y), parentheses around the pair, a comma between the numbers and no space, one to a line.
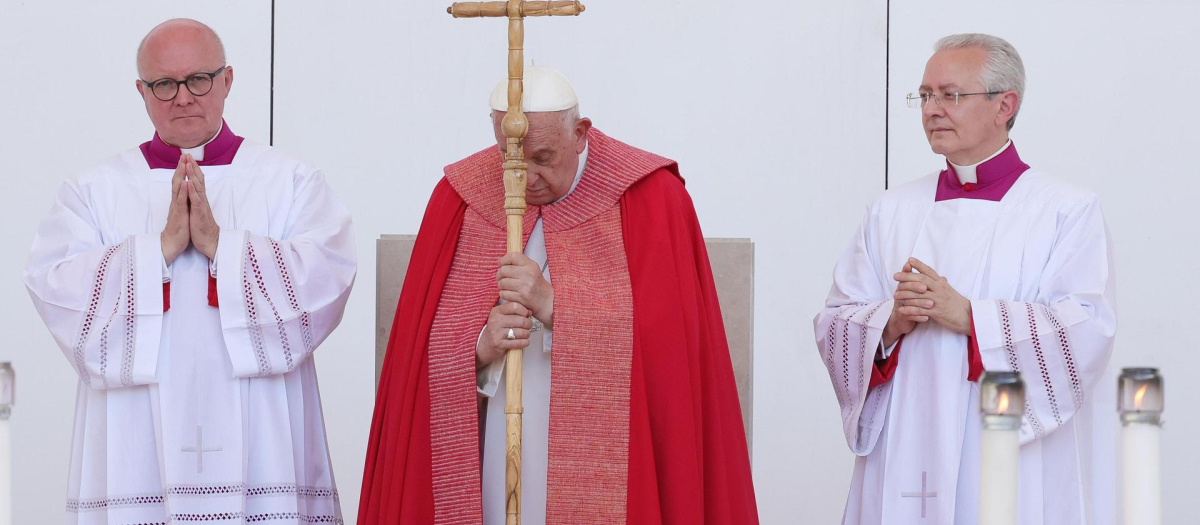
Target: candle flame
(1137,397)
(1002,404)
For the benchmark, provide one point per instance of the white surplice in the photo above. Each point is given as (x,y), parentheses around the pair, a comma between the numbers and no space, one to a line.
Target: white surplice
(535,400)
(1037,267)
(200,414)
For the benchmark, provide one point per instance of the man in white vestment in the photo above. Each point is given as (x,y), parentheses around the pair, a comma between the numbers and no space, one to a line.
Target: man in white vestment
(188,282)
(986,265)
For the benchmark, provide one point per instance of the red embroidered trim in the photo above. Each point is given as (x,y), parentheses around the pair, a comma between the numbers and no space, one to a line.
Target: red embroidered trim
(845,321)
(1031,416)
(1011,351)
(166,297)
(1009,348)
(285,277)
(1064,342)
(89,317)
(249,266)
(141,500)
(272,516)
(211,516)
(158,499)
(1041,359)
(862,343)
(262,288)
(878,395)
(251,491)
(831,341)
(104,343)
(130,312)
(104,355)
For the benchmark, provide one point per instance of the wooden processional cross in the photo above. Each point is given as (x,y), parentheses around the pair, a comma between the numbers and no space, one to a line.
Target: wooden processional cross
(515,126)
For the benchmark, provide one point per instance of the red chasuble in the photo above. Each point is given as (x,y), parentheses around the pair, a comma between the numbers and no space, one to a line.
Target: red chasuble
(645,426)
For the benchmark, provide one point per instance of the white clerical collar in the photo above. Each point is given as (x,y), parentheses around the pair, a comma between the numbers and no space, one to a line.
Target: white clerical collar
(968,174)
(198,151)
(578,173)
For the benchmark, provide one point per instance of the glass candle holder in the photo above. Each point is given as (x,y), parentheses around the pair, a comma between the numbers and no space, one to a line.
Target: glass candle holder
(1140,396)
(1002,400)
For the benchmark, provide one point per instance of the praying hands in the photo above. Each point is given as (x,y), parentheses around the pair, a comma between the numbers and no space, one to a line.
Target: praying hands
(189,219)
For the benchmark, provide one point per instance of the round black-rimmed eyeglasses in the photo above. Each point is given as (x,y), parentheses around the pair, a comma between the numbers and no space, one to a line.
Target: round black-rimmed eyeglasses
(198,84)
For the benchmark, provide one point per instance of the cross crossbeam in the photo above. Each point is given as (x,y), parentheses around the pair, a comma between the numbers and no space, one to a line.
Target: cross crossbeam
(924,495)
(525,9)
(200,449)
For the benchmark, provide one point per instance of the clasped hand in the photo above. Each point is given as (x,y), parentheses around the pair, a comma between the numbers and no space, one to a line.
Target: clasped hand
(922,295)
(189,218)
(527,293)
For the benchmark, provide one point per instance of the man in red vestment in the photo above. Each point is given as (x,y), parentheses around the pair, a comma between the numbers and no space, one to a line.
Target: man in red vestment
(633,417)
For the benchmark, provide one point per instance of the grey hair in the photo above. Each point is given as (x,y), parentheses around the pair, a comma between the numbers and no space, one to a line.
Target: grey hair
(570,117)
(1003,70)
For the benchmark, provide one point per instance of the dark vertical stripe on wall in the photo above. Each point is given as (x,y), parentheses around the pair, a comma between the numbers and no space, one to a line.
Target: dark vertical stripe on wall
(271,139)
(887,95)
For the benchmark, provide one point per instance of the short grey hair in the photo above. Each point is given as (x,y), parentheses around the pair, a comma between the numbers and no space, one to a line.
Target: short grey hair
(1003,70)
(570,117)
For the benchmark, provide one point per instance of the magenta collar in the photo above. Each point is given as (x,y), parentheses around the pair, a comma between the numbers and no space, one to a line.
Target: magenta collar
(995,177)
(218,152)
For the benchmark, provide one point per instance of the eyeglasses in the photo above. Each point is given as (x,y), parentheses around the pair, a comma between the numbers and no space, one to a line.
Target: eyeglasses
(945,100)
(198,84)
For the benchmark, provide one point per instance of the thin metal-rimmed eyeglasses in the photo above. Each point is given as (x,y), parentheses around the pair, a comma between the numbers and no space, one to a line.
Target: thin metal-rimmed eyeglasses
(198,84)
(919,100)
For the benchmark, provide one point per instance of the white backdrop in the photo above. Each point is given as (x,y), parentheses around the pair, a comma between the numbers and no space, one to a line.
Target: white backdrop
(776,111)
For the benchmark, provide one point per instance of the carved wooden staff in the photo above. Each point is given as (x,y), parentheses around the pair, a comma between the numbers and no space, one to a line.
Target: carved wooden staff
(515,126)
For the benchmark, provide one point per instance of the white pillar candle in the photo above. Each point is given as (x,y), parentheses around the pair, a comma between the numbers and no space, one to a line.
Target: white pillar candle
(1142,479)
(1002,401)
(5,471)
(8,381)
(1140,401)
(998,486)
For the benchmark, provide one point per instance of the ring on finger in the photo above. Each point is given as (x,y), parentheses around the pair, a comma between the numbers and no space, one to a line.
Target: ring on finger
(511,335)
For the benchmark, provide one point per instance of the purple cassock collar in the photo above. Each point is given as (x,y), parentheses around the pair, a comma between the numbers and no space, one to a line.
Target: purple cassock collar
(218,152)
(995,177)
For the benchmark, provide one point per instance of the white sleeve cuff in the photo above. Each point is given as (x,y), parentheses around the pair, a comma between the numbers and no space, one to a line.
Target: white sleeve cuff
(547,338)
(887,352)
(487,380)
(989,337)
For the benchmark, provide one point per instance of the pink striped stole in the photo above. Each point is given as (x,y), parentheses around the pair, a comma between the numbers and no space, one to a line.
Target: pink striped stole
(593,337)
